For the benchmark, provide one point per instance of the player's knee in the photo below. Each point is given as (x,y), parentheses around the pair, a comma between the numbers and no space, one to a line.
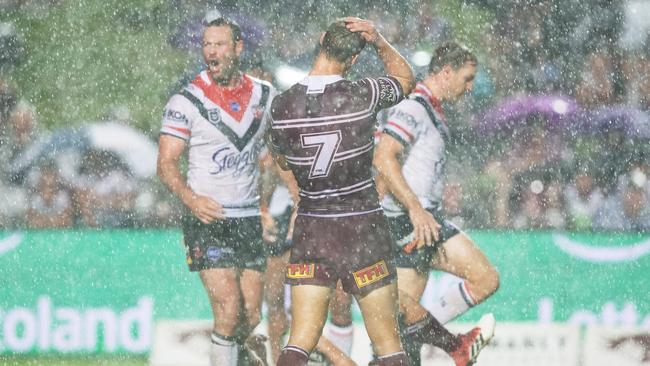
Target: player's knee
(491,281)
(275,304)
(228,308)
(253,318)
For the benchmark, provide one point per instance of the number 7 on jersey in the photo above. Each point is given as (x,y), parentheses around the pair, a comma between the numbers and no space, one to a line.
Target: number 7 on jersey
(327,144)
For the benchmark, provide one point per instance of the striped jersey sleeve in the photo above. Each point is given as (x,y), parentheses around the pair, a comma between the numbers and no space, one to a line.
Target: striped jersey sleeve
(402,122)
(388,91)
(177,117)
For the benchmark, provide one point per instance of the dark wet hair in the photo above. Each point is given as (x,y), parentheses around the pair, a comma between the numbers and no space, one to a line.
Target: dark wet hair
(340,44)
(235,30)
(452,54)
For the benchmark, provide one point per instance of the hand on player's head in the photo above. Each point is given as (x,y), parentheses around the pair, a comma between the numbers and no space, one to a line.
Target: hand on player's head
(365,27)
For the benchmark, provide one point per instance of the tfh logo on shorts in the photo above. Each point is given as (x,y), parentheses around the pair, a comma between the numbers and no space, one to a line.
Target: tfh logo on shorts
(371,274)
(301,270)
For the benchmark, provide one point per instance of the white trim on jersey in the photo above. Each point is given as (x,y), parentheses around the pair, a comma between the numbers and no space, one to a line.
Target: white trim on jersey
(365,113)
(338,116)
(343,155)
(333,122)
(375,92)
(341,214)
(339,191)
(324,79)
(204,75)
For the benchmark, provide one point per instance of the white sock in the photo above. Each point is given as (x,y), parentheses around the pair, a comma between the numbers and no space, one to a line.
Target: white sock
(341,337)
(454,302)
(223,351)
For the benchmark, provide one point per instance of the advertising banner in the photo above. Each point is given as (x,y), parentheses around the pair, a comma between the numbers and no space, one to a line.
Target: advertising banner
(101,291)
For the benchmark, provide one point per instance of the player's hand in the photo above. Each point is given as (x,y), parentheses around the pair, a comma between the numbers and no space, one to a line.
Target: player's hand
(365,27)
(205,209)
(292,222)
(425,228)
(269,227)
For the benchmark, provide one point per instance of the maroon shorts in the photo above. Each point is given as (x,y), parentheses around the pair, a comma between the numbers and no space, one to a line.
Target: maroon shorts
(354,249)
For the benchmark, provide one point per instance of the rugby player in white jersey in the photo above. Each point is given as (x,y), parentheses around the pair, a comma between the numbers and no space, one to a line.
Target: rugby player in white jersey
(410,160)
(222,116)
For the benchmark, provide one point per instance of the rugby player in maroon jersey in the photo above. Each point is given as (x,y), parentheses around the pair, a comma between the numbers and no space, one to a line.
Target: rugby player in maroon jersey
(322,131)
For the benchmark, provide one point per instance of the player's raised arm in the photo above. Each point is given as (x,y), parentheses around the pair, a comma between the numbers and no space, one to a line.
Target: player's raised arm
(394,63)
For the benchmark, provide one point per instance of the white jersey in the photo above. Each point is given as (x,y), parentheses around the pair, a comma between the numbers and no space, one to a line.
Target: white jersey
(419,124)
(225,130)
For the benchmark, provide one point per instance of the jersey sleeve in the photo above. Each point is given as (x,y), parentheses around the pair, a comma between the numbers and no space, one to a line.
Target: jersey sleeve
(177,117)
(402,123)
(387,91)
(267,120)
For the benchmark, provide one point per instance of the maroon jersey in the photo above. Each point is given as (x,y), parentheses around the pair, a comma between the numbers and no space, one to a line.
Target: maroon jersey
(324,126)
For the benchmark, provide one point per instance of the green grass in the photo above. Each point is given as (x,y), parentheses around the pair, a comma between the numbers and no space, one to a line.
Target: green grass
(73,361)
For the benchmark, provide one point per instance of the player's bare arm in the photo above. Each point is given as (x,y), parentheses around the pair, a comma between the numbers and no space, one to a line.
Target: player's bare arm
(394,63)
(267,183)
(425,227)
(170,150)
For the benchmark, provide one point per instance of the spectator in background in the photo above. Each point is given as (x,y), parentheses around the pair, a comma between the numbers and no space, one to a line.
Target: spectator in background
(643,87)
(597,85)
(554,214)
(17,131)
(540,206)
(22,131)
(433,28)
(532,152)
(50,204)
(8,100)
(626,210)
(105,191)
(583,199)
(530,213)
(11,47)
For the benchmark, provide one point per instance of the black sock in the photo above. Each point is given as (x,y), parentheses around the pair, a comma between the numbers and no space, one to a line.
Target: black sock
(429,331)
(411,346)
(396,359)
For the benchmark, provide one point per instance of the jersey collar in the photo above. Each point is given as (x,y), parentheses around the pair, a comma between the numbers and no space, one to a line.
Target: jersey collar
(316,83)
(420,88)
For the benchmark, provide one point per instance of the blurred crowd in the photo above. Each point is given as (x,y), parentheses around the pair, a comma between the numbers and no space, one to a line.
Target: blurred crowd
(589,172)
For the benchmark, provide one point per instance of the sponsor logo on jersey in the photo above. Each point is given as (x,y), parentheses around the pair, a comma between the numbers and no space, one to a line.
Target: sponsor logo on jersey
(601,254)
(214,116)
(175,116)
(234,106)
(301,270)
(227,159)
(371,274)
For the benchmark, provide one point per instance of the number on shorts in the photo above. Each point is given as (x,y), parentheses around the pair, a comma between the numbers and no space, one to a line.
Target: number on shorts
(327,144)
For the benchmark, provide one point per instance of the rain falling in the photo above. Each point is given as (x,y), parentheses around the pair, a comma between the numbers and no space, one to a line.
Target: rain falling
(388,182)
